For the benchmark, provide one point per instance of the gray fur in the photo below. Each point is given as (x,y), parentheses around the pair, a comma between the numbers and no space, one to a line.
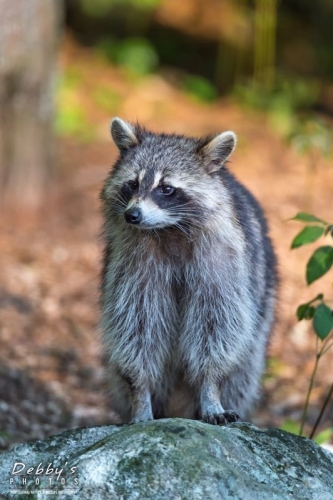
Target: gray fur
(188,293)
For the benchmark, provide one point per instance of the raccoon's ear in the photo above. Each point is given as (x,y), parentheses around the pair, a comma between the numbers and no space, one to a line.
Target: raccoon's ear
(216,151)
(123,134)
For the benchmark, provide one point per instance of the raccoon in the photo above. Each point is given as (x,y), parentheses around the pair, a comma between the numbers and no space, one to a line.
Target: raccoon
(189,279)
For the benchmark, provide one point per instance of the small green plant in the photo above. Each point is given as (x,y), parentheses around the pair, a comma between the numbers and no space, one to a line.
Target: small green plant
(317,310)
(71,117)
(199,88)
(311,137)
(136,54)
(289,97)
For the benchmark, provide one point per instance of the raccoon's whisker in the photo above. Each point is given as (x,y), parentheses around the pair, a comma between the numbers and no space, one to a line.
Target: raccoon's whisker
(155,232)
(183,209)
(148,220)
(120,204)
(121,200)
(176,211)
(183,228)
(182,219)
(190,223)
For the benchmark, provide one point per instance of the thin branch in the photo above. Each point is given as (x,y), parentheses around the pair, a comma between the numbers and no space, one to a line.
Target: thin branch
(306,404)
(328,397)
(327,348)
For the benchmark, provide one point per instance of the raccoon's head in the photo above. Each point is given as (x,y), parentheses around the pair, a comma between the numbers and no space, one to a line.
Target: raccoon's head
(163,180)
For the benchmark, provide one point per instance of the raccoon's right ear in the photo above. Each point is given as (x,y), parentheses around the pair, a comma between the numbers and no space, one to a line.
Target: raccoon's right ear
(215,151)
(123,134)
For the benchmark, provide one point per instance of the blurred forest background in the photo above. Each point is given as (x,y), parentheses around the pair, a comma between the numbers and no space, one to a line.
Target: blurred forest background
(263,68)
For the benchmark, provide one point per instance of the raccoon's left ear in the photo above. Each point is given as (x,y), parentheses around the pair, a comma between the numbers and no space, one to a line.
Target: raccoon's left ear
(216,151)
(123,134)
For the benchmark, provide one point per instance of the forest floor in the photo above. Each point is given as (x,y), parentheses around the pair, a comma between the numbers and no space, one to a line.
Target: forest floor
(53,374)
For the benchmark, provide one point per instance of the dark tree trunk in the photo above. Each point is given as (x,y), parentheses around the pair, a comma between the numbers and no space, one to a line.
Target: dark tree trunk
(29,36)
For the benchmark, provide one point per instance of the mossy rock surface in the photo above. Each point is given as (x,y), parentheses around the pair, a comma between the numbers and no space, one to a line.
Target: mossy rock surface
(172,459)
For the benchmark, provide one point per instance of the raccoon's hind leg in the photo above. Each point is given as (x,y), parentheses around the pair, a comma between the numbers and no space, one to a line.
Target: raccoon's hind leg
(241,390)
(211,409)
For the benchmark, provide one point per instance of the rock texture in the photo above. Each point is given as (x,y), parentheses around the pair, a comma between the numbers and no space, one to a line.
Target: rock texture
(170,459)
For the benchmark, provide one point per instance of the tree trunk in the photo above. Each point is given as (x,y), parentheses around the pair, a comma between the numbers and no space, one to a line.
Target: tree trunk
(29,36)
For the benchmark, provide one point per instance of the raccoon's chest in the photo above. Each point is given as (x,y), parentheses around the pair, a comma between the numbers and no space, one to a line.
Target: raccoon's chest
(173,247)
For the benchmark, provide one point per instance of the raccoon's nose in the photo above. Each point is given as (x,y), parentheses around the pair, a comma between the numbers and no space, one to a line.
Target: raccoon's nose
(133,215)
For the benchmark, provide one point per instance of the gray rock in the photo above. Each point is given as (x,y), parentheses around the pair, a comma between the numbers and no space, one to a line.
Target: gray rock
(172,459)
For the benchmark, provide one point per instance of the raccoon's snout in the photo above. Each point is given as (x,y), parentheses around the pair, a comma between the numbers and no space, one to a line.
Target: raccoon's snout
(133,215)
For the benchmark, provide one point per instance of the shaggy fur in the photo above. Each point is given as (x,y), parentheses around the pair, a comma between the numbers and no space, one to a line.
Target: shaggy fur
(189,279)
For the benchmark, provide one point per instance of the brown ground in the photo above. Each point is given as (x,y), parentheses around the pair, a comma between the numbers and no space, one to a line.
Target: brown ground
(52,372)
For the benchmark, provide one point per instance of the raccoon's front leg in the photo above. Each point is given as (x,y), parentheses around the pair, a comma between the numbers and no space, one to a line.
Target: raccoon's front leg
(141,404)
(211,409)
(140,399)
(215,332)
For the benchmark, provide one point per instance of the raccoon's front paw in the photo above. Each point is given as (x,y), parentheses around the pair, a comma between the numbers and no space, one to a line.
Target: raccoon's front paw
(136,420)
(220,418)
(142,416)
(231,416)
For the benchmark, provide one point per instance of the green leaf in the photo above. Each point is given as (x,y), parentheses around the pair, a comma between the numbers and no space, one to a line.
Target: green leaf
(305,311)
(320,262)
(308,235)
(309,312)
(304,217)
(322,321)
(301,311)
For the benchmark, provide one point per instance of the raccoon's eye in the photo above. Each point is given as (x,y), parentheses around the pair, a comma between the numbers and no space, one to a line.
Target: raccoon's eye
(167,190)
(133,185)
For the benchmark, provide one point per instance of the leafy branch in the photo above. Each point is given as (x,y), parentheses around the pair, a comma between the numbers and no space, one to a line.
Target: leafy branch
(316,309)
